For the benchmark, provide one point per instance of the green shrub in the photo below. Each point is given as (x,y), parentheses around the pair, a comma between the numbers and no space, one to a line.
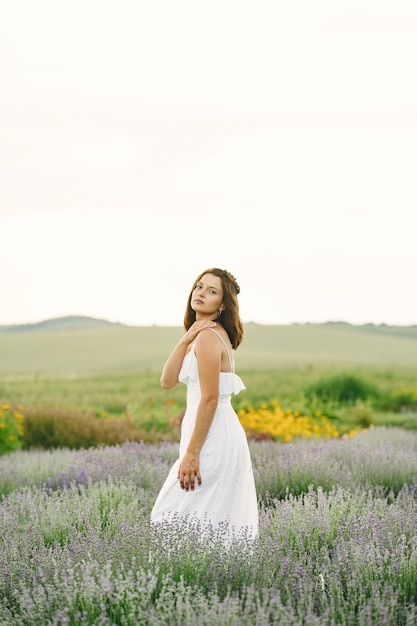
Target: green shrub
(343,388)
(11,427)
(56,427)
(360,414)
(405,399)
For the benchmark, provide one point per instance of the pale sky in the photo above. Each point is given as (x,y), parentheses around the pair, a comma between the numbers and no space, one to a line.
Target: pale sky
(142,142)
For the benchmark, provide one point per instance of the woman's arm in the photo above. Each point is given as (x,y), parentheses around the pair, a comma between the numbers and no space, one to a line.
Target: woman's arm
(172,366)
(209,352)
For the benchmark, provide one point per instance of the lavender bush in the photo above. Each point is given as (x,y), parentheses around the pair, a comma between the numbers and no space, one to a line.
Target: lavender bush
(337,544)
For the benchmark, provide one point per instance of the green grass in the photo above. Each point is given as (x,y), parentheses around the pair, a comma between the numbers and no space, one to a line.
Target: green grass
(113,371)
(140,393)
(123,348)
(75,409)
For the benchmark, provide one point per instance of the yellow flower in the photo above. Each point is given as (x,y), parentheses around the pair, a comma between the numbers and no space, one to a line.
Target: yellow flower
(284,425)
(6,407)
(2,425)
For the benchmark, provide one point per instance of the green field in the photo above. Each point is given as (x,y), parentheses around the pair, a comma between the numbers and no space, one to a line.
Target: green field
(112,348)
(68,375)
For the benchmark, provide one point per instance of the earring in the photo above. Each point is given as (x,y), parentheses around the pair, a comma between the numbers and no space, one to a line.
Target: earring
(220,312)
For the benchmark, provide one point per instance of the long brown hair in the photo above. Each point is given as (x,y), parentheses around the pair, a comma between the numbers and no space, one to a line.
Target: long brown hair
(230,319)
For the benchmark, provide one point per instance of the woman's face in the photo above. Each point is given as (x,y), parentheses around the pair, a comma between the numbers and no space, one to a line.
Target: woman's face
(207,297)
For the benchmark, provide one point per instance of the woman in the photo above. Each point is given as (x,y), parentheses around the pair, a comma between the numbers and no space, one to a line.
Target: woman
(212,480)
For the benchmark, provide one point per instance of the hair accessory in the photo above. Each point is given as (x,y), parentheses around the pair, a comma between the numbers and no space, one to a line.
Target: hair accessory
(233,281)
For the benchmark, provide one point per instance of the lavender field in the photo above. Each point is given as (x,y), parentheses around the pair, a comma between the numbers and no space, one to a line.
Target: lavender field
(337,544)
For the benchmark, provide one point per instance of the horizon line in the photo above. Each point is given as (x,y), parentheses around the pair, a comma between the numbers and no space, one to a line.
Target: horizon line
(15,325)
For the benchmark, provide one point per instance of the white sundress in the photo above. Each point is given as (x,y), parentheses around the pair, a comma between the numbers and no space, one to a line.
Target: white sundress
(227,495)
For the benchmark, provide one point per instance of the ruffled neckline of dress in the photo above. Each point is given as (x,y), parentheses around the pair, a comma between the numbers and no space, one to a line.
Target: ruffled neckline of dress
(230,382)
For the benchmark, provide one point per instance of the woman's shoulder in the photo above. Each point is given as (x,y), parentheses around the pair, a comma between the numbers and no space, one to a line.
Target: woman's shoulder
(215,336)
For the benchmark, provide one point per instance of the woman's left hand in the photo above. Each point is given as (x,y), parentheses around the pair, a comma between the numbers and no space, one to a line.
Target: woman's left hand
(189,471)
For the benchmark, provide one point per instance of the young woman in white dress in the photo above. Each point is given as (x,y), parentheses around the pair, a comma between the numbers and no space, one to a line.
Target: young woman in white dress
(212,480)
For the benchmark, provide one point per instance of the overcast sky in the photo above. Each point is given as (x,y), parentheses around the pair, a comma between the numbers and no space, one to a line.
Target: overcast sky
(144,141)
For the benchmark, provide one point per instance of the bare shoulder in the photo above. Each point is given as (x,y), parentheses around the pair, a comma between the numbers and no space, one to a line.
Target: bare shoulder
(214,338)
(205,339)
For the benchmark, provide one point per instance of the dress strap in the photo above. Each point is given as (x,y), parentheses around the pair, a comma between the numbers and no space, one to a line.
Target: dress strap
(232,366)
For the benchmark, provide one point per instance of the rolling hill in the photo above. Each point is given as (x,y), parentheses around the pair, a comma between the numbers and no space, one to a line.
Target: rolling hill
(69,322)
(81,344)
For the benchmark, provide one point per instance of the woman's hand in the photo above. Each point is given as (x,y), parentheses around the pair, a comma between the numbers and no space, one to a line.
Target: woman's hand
(189,471)
(172,366)
(197,327)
